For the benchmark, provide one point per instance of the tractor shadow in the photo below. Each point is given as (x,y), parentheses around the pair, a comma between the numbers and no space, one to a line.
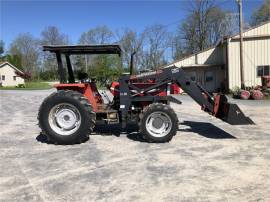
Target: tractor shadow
(206,129)
(131,131)
(43,139)
(100,129)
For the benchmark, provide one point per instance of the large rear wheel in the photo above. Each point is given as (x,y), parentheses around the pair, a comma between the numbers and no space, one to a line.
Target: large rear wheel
(158,123)
(66,117)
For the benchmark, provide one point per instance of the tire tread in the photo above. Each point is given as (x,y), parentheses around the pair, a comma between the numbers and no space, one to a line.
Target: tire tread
(83,101)
(151,107)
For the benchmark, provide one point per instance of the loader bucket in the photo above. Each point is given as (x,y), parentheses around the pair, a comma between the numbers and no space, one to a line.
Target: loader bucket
(230,113)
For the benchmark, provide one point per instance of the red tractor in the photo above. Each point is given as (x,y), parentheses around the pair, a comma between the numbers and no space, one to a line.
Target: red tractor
(71,113)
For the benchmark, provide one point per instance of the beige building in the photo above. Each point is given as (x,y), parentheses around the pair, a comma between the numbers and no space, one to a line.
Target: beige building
(8,76)
(219,67)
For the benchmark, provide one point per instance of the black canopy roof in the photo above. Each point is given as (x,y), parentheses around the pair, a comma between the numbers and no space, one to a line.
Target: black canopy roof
(84,49)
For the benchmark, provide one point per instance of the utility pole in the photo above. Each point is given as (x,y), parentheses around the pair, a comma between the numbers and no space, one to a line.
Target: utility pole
(241,43)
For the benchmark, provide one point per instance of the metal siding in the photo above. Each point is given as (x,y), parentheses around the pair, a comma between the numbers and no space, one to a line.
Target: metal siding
(218,74)
(210,56)
(261,30)
(234,64)
(186,61)
(255,53)
(203,57)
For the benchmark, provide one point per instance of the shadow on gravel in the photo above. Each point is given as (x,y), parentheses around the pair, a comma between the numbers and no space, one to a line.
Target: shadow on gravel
(105,130)
(131,131)
(207,130)
(136,137)
(43,139)
(114,129)
(204,129)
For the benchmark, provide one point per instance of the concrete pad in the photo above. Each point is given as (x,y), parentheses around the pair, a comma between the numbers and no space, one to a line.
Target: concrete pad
(208,160)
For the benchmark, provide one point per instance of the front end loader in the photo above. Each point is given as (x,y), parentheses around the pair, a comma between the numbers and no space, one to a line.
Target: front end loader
(70,114)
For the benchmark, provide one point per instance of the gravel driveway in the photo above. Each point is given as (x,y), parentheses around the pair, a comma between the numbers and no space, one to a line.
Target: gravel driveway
(208,160)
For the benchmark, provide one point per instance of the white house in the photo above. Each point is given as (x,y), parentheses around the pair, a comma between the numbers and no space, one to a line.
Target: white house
(8,76)
(218,67)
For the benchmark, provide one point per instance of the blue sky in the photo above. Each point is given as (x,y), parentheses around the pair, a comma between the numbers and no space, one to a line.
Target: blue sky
(75,17)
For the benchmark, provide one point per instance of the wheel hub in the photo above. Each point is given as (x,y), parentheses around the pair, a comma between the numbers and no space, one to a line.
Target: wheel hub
(158,124)
(64,119)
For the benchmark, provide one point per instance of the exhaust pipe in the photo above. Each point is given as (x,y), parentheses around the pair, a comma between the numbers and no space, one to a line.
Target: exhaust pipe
(229,112)
(131,68)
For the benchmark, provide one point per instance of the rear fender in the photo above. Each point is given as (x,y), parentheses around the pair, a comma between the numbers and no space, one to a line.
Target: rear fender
(83,88)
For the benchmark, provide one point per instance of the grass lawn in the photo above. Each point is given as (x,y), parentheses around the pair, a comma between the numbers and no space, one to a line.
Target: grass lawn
(37,85)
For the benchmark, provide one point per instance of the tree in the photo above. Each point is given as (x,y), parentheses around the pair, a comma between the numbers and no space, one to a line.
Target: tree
(131,42)
(178,50)
(205,25)
(97,35)
(105,69)
(51,36)
(220,23)
(262,14)
(25,50)
(157,40)
(15,60)
(2,47)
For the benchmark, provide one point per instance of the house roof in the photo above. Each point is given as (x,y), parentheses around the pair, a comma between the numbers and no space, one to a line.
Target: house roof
(220,42)
(12,66)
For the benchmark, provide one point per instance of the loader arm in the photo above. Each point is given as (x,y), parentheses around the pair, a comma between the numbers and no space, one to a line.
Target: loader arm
(193,89)
(217,106)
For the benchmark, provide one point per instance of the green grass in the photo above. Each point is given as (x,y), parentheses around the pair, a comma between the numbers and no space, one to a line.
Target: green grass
(30,86)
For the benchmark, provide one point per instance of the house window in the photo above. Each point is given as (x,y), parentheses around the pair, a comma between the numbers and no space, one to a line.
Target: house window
(3,77)
(14,78)
(263,70)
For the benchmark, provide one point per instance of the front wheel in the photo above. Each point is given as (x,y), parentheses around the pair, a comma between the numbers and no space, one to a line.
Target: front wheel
(66,117)
(158,123)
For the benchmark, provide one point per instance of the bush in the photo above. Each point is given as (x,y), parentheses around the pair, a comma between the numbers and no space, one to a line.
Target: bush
(257,95)
(236,92)
(21,86)
(245,94)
